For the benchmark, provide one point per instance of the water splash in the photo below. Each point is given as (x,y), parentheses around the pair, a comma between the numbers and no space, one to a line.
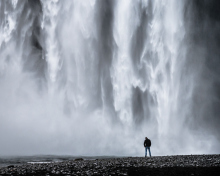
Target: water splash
(102,74)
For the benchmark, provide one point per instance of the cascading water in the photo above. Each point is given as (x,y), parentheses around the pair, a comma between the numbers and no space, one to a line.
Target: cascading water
(95,77)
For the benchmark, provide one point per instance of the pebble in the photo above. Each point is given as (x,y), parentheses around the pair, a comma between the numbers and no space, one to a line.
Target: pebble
(160,165)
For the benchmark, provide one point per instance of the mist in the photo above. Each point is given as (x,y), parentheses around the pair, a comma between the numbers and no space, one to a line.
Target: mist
(95,77)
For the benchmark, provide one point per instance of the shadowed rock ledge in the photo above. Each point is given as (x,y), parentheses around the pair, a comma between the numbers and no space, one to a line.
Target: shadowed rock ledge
(192,165)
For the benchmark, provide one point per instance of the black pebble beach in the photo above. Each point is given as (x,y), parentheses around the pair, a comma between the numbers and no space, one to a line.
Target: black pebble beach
(193,165)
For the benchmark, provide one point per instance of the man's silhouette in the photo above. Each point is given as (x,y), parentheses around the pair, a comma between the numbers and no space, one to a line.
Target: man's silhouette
(147,144)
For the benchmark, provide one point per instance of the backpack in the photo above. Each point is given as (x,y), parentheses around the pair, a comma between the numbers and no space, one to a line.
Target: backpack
(149,142)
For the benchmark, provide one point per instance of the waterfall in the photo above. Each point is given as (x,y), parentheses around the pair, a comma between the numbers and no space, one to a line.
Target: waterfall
(95,77)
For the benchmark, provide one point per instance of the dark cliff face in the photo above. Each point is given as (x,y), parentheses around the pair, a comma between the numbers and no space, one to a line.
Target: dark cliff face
(207,8)
(202,21)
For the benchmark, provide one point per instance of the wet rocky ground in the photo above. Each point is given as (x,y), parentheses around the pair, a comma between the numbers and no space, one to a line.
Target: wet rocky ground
(193,165)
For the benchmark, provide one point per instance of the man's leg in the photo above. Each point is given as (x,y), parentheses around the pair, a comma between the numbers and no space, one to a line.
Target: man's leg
(145,151)
(149,151)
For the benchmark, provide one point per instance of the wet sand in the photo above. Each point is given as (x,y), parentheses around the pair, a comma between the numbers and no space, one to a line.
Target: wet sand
(192,165)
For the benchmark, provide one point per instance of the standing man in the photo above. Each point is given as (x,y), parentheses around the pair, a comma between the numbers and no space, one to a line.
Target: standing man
(147,144)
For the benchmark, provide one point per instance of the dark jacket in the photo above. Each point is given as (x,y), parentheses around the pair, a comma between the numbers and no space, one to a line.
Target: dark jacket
(147,143)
